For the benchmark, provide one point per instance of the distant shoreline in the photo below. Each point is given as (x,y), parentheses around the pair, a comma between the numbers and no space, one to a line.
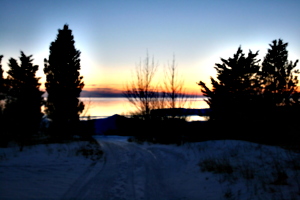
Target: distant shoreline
(204,112)
(93,94)
(117,96)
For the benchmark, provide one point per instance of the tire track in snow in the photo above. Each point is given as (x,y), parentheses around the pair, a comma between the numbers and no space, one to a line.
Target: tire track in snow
(126,172)
(102,180)
(148,176)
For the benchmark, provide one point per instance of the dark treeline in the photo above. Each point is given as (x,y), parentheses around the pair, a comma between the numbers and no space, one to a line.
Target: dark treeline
(253,101)
(21,98)
(250,99)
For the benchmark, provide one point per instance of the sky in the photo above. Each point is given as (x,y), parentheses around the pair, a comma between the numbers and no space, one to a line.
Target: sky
(115,35)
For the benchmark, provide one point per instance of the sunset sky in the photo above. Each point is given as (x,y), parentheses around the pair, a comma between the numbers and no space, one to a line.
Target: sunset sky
(113,36)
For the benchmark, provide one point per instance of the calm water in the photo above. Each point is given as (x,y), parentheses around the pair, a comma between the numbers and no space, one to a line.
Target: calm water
(104,107)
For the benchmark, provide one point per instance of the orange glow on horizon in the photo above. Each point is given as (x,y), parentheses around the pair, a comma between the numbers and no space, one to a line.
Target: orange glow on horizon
(120,89)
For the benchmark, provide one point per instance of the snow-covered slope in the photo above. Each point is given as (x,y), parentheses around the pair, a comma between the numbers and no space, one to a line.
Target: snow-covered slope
(205,170)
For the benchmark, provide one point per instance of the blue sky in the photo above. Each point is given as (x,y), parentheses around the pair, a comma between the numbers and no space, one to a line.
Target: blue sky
(114,35)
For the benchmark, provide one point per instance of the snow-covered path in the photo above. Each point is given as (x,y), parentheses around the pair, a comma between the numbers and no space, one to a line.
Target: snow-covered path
(127,171)
(204,170)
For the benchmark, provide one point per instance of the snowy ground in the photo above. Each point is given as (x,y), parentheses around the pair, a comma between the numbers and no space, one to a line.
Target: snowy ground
(205,170)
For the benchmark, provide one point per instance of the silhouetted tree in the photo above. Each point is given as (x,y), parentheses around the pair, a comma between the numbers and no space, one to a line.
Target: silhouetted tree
(141,92)
(278,77)
(3,88)
(234,94)
(157,120)
(23,100)
(64,83)
(173,87)
(2,91)
(279,82)
(2,96)
(1,79)
(147,97)
(172,94)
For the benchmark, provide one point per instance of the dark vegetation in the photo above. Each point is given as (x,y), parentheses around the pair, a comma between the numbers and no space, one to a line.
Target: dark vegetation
(255,102)
(63,85)
(21,119)
(249,100)
(157,118)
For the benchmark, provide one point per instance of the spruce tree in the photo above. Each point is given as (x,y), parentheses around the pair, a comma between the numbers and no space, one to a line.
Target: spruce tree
(63,83)
(233,95)
(279,81)
(22,111)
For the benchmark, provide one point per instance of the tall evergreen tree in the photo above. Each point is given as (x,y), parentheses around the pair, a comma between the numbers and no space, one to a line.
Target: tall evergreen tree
(64,82)
(279,81)
(24,99)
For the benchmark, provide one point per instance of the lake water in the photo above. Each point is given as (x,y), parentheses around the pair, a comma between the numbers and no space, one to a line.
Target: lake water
(103,107)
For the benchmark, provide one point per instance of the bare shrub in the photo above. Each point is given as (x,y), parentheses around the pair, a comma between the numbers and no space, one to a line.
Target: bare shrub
(141,92)
(217,166)
(91,151)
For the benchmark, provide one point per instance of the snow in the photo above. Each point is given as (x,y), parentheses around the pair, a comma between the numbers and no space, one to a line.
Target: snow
(149,171)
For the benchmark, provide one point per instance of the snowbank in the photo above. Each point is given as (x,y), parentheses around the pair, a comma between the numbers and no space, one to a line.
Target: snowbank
(42,171)
(205,170)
